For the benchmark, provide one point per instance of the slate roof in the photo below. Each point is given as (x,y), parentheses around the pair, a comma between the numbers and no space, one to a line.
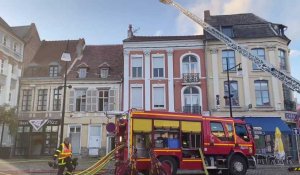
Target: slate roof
(21,31)
(161,38)
(246,25)
(95,56)
(50,52)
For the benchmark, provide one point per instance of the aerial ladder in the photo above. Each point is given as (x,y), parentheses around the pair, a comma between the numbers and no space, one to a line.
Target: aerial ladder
(285,78)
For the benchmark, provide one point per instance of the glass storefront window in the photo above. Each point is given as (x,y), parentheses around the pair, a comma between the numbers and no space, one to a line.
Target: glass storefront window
(26,128)
(48,128)
(54,128)
(20,129)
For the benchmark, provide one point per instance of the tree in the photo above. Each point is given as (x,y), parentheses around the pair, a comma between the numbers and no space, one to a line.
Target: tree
(8,116)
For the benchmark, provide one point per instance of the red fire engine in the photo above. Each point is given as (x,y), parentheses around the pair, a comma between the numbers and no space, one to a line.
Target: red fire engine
(176,138)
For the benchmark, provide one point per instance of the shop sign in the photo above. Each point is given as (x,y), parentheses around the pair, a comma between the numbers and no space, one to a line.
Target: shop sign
(290,116)
(37,124)
(49,122)
(258,131)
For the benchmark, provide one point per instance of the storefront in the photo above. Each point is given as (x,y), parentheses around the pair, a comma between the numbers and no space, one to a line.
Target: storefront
(37,137)
(264,134)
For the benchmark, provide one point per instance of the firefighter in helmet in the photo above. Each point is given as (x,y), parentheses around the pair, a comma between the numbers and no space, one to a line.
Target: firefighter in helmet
(64,157)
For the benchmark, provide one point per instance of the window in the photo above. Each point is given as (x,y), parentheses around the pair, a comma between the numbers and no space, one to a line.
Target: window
(189,64)
(191,98)
(260,53)
(137,97)
(158,97)
(230,131)
(218,130)
(0,89)
(26,100)
(241,131)
(82,72)
(262,93)
(230,56)
(227,30)
(234,92)
(158,66)
(5,41)
(191,140)
(53,71)
(103,100)
(42,100)
(103,72)
(15,47)
(80,96)
(282,59)
(1,66)
(56,99)
(136,64)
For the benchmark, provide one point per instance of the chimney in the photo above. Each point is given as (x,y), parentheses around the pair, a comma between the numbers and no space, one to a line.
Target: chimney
(129,32)
(206,14)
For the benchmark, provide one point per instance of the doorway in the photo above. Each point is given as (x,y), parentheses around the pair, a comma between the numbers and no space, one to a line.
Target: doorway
(75,132)
(36,144)
(94,140)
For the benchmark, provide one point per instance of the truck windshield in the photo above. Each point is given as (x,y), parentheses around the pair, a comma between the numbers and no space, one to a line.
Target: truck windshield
(241,131)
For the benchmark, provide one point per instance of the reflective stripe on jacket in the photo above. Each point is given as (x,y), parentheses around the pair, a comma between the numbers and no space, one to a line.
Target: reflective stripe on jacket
(65,152)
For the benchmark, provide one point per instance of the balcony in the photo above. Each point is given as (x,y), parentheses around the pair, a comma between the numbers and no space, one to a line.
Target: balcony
(290,105)
(191,78)
(8,51)
(191,109)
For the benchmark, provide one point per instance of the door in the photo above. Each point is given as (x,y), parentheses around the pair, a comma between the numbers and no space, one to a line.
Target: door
(94,140)
(75,132)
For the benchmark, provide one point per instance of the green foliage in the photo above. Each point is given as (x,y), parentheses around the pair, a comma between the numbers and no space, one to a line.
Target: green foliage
(8,115)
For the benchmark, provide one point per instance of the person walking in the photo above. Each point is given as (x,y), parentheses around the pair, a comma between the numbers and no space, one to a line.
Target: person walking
(64,157)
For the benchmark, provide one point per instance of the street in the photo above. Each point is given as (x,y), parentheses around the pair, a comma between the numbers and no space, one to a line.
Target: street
(40,166)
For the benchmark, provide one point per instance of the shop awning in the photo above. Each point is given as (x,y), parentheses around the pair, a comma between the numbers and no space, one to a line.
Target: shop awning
(268,124)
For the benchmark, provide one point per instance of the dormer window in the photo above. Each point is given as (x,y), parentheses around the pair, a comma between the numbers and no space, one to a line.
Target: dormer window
(53,71)
(227,30)
(103,72)
(82,72)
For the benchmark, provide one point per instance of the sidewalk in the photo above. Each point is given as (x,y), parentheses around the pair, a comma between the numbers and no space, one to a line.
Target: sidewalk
(37,166)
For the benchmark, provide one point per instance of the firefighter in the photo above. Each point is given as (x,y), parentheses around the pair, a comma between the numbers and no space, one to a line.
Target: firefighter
(64,157)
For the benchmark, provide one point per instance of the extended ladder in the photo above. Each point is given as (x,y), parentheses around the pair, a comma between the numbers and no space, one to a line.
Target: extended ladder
(286,79)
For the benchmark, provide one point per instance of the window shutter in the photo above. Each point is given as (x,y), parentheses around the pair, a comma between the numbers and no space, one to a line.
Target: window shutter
(71,100)
(111,99)
(89,100)
(94,100)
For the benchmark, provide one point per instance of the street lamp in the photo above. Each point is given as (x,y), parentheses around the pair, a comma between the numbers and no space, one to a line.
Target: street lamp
(66,57)
(239,73)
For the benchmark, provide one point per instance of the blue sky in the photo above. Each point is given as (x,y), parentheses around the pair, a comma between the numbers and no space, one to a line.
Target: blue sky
(106,22)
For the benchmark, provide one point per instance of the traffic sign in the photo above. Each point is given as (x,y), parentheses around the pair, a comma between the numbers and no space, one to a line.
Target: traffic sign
(296,131)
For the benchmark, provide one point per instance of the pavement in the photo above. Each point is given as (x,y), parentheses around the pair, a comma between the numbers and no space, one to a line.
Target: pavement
(40,167)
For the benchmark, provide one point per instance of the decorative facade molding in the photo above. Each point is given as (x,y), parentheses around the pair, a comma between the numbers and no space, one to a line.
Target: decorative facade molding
(213,51)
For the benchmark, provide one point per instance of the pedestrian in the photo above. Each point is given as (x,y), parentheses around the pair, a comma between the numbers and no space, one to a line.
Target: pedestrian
(64,157)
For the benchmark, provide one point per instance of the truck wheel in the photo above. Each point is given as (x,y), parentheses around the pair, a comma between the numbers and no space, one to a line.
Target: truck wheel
(237,166)
(170,161)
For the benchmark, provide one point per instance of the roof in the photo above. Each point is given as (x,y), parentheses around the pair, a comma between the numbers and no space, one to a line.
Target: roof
(269,124)
(97,56)
(50,52)
(162,38)
(247,25)
(21,31)
(8,28)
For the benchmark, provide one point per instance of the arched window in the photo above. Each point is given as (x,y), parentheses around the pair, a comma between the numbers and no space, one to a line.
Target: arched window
(190,64)
(191,97)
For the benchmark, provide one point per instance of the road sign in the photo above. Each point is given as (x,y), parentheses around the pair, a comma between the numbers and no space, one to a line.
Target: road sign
(296,131)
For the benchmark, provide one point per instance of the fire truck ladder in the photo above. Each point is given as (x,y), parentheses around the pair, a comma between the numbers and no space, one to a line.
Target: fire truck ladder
(97,168)
(286,79)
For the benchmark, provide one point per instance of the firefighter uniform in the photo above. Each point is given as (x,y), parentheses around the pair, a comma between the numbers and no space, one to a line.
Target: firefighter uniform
(64,156)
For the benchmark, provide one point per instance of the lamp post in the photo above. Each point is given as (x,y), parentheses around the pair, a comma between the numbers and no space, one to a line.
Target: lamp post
(239,73)
(66,57)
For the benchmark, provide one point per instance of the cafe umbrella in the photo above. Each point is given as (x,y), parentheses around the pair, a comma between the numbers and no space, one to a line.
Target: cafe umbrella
(278,148)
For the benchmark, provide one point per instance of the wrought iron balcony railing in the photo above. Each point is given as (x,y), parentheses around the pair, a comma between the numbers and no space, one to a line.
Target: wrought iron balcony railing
(191,109)
(191,77)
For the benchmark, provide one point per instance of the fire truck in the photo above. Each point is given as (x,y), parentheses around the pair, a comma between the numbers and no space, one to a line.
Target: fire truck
(178,139)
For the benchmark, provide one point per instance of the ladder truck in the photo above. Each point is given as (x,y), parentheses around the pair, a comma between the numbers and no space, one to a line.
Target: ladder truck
(285,78)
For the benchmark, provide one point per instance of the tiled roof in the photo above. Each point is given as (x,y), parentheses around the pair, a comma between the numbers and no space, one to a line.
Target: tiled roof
(21,31)
(95,56)
(161,38)
(245,25)
(50,52)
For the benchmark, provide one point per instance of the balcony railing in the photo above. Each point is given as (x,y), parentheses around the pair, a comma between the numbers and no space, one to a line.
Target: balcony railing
(11,52)
(191,77)
(191,109)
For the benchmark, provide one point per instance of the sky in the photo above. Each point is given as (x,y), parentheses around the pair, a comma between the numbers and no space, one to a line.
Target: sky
(106,21)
